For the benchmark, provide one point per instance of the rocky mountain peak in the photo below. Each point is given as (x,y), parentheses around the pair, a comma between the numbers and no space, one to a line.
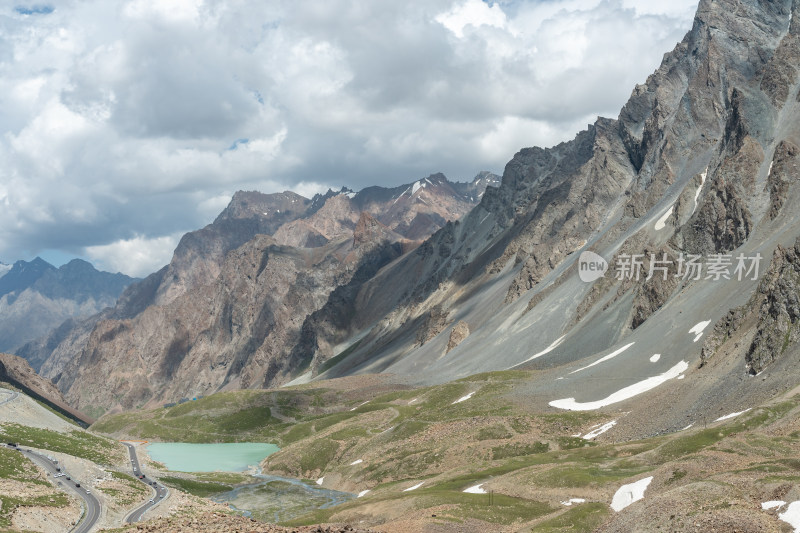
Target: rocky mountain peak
(254,204)
(77,266)
(369,230)
(23,274)
(38,297)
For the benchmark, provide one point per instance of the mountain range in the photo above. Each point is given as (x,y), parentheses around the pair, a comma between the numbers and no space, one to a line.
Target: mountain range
(303,249)
(36,297)
(701,163)
(605,338)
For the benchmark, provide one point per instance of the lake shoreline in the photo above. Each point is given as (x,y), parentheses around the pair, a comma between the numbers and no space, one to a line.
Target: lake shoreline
(269,498)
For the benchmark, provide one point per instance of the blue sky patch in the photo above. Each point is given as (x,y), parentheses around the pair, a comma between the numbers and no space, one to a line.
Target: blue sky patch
(37,9)
(237,142)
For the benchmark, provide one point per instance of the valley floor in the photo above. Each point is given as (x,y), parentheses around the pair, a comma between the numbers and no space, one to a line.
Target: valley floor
(472,455)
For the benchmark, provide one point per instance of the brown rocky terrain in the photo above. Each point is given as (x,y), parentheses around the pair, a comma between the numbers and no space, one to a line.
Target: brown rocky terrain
(215,522)
(17,372)
(414,210)
(235,332)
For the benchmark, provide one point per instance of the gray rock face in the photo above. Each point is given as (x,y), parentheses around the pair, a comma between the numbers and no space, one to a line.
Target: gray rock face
(434,323)
(768,322)
(777,303)
(49,354)
(683,170)
(457,335)
(657,285)
(784,172)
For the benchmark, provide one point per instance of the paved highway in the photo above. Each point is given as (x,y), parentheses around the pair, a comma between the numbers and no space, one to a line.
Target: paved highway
(159,490)
(52,468)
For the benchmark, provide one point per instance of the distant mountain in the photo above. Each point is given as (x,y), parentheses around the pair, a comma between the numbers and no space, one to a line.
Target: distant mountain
(414,211)
(404,215)
(36,297)
(474,189)
(22,275)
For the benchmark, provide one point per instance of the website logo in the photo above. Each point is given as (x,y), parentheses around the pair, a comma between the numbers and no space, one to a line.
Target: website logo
(591,266)
(687,267)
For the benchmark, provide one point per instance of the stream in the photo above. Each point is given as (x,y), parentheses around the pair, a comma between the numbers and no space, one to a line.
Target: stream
(277,499)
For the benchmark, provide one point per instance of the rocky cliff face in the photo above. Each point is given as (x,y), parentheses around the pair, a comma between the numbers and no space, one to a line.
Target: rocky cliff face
(766,327)
(235,332)
(290,218)
(158,316)
(697,170)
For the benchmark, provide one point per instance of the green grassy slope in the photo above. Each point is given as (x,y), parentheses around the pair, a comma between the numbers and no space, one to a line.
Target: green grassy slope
(531,461)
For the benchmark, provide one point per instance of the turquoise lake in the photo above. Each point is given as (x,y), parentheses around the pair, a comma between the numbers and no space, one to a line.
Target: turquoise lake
(227,456)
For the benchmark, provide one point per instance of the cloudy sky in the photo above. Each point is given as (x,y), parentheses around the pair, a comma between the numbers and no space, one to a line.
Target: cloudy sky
(125,123)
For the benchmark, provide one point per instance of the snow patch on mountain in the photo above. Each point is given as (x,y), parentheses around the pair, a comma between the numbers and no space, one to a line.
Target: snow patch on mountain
(792,516)
(699,190)
(606,358)
(774,504)
(463,398)
(547,350)
(600,430)
(627,494)
(698,329)
(732,415)
(661,222)
(623,394)
(415,487)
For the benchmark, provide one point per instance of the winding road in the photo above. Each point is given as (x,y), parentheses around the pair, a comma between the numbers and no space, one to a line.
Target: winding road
(51,467)
(159,491)
(92,505)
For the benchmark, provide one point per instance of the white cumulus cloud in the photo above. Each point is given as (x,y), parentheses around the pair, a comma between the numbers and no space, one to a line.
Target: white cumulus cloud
(135,117)
(138,256)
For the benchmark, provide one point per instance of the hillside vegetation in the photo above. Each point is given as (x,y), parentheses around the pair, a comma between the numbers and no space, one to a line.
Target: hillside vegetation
(528,463)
